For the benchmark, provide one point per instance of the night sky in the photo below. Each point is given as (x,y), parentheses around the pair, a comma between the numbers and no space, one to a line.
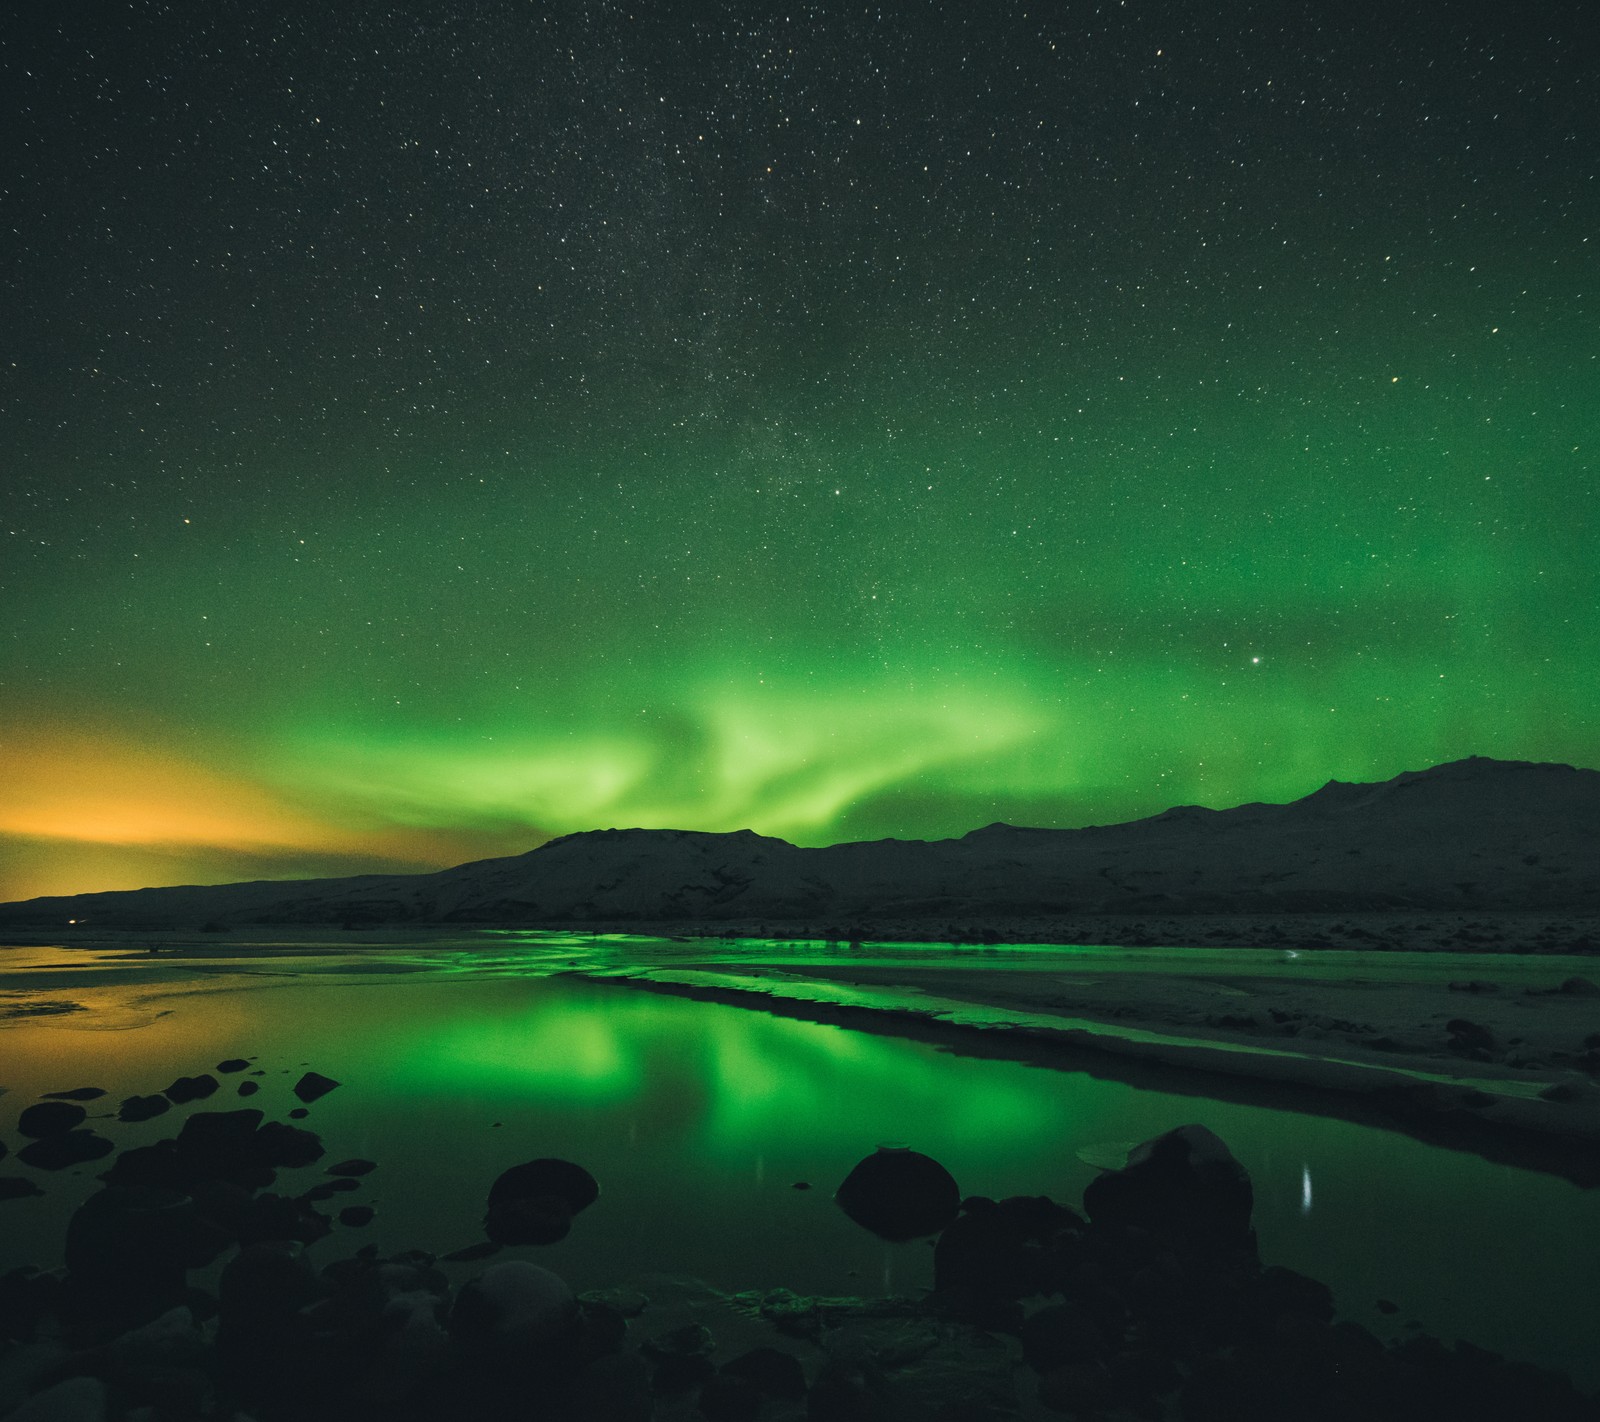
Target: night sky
(426,430)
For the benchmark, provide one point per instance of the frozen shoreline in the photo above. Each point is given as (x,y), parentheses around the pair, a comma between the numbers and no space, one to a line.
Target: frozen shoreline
(1529,1096)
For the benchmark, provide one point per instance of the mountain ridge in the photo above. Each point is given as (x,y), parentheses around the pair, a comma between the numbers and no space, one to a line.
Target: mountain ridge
(1478,833)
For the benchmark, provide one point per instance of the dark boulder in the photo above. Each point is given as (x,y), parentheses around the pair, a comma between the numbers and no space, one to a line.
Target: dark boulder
(139,1241)
(50,1118)
(17,1187)
(266,1281)
(774,1372)
(725,1398)
(1061,1334)
(233,1064)
(512,1309)
(1007,1250)
(313,1086)
(278,1144)
(355,1216)
(249,1088)
(142,1108)
(78,1093)
(59,1152)
(1184,1186)
(190,1088)
(899,1194)
(534,1203)
(352,1167)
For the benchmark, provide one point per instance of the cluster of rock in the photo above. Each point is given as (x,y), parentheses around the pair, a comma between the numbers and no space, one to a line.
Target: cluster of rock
(1150,1303)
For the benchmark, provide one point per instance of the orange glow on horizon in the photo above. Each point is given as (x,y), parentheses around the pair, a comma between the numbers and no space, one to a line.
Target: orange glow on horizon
(97,812)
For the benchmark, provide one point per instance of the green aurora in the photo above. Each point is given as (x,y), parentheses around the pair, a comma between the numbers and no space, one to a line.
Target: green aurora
(776,449)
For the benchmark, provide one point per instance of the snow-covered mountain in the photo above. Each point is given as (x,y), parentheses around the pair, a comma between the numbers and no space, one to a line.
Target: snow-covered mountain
(1475,834)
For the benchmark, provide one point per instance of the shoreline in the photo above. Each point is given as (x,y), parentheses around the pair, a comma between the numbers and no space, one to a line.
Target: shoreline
(1486,1107)
(1515,932)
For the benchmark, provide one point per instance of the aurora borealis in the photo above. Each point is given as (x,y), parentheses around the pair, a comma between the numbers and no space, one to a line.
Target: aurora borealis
(423,432)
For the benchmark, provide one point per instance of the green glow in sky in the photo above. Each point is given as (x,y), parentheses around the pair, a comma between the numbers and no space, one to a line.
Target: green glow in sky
(794,449)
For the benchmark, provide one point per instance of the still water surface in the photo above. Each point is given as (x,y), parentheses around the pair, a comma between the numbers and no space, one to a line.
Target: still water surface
(461,1056)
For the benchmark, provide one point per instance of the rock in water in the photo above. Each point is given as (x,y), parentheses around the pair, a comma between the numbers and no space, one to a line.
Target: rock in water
(50,1118)
(78,1093)
(899,1194)
(1185,1186)
(75,1400)
(142,1108)
(313,1086)
(58,1152)
(511,1308)
(190,1088)
(534,1203)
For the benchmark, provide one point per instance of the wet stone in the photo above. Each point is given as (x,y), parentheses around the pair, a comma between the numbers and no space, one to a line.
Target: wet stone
(190,1088)
(17,1187)
(78,1093)
(233,1064)
(899,1194)
(355,1216)
(142,1108)
(249,1088)
(50,1118)
(313,1086)
(352,1167)
(59,1152)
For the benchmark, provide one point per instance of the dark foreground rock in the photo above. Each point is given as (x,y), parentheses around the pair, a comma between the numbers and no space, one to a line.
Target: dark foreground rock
(1150,1304)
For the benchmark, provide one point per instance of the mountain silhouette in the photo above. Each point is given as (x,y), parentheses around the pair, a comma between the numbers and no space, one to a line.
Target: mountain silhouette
(1478,834)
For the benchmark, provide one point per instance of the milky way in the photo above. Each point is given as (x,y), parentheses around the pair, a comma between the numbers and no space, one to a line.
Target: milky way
(425,432)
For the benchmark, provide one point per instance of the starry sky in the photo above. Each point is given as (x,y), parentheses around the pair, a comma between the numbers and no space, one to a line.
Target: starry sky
(427,430)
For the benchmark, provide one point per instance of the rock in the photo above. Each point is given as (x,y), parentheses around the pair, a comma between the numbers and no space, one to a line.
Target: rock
(75,1400)
(470,1253)
(313,1086)
(899,1194)
(221,1143)
(17,1187)
(355,1216)
(190,1088)
(272,1218)
(26,1296)
(138,1242)
(1185,1186)
(171,1340)
(774,1372)
(1579,987)
(1476,985)
(233,1064)
(1005,1250)
(277,1144)
(249,1088)
(730,1399)
(78,1093)
(266,1282)
(1468,1036)
(58,1152)
(142,1108)
(615,1388)
(50,1118)
(299,1113)
(533,1203)
(1061,1334)
(352,1167)
(512,1307)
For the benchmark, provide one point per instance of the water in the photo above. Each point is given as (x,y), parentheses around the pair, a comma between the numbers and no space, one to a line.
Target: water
(461,1056)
